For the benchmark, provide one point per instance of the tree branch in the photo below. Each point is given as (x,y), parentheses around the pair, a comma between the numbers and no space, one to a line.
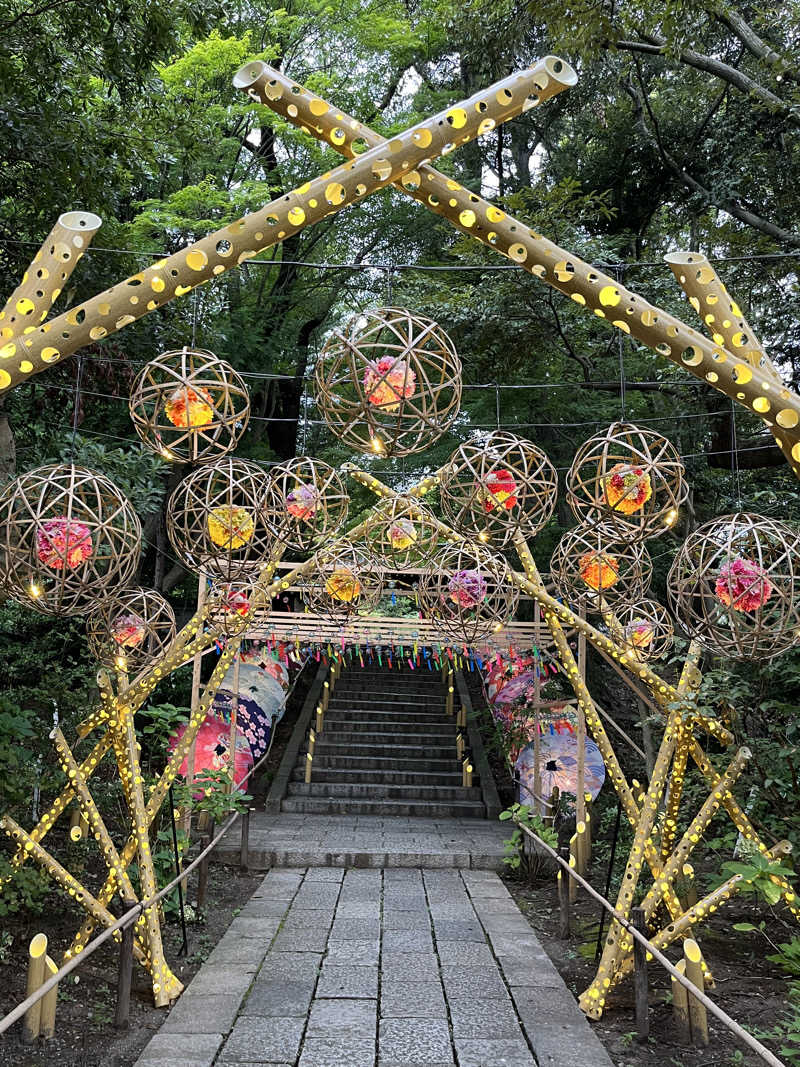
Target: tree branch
(755,44)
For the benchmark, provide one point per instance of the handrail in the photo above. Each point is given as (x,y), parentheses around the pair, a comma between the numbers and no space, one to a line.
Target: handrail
(133,914)
(747,1039)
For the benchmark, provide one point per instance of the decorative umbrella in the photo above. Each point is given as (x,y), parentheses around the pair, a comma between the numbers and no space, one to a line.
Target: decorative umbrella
(516,688)
(558,766)
(212,751)
(261,700)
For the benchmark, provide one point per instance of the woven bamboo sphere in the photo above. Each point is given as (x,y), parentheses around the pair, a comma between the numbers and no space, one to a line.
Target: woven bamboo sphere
(735,586)
(630,478)
(130,629)
(402,533)
(68,537)
(468,592)
(498,483)
(389,383)
(590,567)
(228,605)
(215,522)
(647,630)
(189,406)
(305,503)
(345,580)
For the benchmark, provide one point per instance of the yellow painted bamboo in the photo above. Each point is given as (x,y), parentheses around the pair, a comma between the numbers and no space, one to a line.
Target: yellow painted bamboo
(591,289)
(234,724)
(680,1004)
(37,954)
(698,1016)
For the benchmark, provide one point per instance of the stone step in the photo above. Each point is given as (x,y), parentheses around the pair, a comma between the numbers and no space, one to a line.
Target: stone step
(424,808)
(376,748)
(344,724)
(406,793)
(400,711)
(368,763)
(378,776)
(380,699)
(413,743)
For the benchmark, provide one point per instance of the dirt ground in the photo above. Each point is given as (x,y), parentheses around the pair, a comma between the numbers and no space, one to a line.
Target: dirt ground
(750,989)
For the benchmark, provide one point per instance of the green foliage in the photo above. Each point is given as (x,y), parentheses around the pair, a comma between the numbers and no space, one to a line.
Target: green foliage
(135,470)
(757,875)
(513,846)
(26,890)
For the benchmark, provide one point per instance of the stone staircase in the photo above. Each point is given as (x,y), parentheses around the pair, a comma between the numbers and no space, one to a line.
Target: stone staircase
(388,747)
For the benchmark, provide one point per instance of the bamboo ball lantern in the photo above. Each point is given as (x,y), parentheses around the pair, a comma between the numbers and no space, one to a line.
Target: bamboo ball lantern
(345,580)
(468,593)
(402,534)
(389,384)
(189,406)
(229,605)
(735,586)
(646,629)
(68,537)
(591,568)
(305,503)
(630,478)
(215,521)
(499,483)
(130,629)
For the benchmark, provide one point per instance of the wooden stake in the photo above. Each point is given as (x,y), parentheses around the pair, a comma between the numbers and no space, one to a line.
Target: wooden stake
(320,718)
(450,691)
(563,896)
(244,848)
(312,737)
(37,952)
(698,1016)
(680,1005)
(573,862)
(640,977)
(49,1003)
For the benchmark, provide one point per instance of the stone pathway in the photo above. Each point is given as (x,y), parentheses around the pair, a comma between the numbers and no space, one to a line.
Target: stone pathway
(327,967)
(300,840)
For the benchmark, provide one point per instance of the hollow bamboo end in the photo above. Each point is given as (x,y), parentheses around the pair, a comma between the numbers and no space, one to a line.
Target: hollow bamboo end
(248,75)
(682,259)
(80,221)
(38,946)
(691,950)
(560,70)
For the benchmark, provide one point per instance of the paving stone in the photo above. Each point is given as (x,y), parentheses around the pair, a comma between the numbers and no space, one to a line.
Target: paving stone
(531,971)
(316,895)
(405,920)
(295,939)
(279,997)
(554,1046)
(355,929)
(489,888)
(418,940)
(266,906)
(324,874)
(328,1052)
(412,999)
(359,909)
(347,980)
(460,984)
(474,1017)
(235,949)
(233,978)
(354,951)
(303,918)
(499,1053)
(459,930)
(291,966)
(340,1018)
(422,966)
(556,1005)
(190,1050)
(202,1014)
(272,1040)
(465,953)
(414,1041)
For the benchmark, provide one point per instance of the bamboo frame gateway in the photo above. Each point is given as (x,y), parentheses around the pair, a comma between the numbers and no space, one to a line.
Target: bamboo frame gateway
(734,366)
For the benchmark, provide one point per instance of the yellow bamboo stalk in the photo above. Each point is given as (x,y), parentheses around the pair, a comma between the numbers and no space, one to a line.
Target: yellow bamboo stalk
(37,952)
(680,1004)
(49,1003)
(698,1016)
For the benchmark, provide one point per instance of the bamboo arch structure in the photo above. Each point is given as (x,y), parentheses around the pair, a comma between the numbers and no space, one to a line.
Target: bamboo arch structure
(731,361)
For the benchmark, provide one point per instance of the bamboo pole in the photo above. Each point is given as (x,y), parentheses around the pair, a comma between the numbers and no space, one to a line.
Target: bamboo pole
(597,293)
(234,721)
(197,665)
(698,1016)
(37,952)
(680,1005)
(49,1002)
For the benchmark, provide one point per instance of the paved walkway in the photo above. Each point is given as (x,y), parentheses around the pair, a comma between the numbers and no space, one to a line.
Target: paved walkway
(327,967)
(299,840)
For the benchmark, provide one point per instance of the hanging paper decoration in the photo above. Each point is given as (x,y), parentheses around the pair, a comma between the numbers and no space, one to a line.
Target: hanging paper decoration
(743,585)
(187,407)
(402,534)
(230,527)
(599,570)
(387,381)
(467,588)
(63,543)
(303,501)
(499,490)
(558,768)
(213,752)
(627,488)
(128,631)
(343,585)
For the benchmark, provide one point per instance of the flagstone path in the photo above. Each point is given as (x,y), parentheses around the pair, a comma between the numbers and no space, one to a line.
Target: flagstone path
(335,967)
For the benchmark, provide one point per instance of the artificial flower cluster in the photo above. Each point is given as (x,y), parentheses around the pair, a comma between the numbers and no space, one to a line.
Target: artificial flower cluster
(63,543)
(187,407)
(387,381)
(230,526)
(743,585)
(598,569)
(627,488)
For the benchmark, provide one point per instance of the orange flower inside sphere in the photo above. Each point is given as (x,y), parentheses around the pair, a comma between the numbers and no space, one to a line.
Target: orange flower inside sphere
(343,585)
(743,585)
(128,631)
(387,381)
(499,489)
(627,488)
(639,634)
(63,543)
(187,407)
(599,570)
(402,534)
